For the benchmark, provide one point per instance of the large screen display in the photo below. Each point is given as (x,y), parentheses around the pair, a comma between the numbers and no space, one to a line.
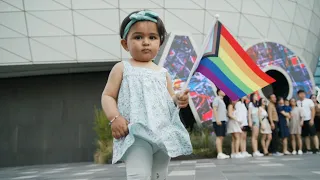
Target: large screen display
(179,60)
(273,54)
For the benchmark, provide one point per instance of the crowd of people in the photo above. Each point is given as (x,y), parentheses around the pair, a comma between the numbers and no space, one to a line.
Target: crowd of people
(274,119)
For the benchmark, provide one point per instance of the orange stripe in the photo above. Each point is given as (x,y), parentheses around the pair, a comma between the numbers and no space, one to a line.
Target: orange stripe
(246,58)
(240,63)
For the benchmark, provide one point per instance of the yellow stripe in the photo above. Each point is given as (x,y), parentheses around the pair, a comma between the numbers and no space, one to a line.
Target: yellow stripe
(237,71)
(240,63)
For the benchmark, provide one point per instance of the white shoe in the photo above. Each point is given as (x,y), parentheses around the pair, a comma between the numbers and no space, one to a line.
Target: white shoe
(294,153)
(232,155)
(277,154)
(287,153)
(246,154)
(257,154)
(309,152)
(222,156)
(300,152)
(238,156)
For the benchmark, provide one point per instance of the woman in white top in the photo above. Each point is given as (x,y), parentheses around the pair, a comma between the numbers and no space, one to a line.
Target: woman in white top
(265,126)
(242,116)
(254,123)
(234,128)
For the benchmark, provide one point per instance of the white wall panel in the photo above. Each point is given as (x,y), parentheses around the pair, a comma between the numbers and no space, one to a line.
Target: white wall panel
(187,4)
(40,5)
(59,31)
(43,53)
(15,3)
(9,58)
(6,7)
(251,7)
(275,34)
(59,19)
(6,32)
(18,46)
(221,5)
(65,45)
(37,26)
(14,21)
(83,25)
(92,4)
(266,6)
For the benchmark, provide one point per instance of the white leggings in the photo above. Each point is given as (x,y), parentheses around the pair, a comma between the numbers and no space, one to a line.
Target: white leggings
(146,162)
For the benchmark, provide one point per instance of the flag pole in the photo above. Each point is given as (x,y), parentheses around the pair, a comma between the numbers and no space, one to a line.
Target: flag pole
(201,52)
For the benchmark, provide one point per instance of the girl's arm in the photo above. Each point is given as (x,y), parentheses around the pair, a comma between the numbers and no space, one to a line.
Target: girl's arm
(111,90)
(259,113)
(249,115)
(230,110)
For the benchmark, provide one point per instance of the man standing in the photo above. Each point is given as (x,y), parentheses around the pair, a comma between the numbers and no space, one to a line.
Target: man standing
(308,128)
(273,118)
(219,120)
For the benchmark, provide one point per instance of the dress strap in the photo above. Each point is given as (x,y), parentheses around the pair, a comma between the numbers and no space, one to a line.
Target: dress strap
(126,65)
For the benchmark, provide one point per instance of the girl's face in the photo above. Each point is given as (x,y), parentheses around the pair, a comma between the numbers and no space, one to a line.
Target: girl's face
(313,98)
(263,102)
(293,102)
(255,97)
(143,41)
(286,103)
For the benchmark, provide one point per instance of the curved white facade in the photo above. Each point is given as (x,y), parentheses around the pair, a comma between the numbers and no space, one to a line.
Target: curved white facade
(75,31)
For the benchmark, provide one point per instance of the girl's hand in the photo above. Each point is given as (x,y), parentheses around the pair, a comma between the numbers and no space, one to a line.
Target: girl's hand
(119,128)
(250,124)
(262,127)
(183,99)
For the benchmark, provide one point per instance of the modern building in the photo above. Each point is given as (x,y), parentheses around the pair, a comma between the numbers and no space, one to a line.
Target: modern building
(55,56)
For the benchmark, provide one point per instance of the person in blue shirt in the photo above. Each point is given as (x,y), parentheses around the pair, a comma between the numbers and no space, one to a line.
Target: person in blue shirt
(283,125)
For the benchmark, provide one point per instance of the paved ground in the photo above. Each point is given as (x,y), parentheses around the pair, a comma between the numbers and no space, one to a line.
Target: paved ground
(306,167)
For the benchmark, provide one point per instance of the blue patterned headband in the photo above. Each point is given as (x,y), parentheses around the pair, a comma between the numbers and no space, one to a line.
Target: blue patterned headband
(140,16)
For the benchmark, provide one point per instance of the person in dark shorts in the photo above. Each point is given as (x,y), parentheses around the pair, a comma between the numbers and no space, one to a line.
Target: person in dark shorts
(274,120)
(317,114)
(308,128)
(219,120)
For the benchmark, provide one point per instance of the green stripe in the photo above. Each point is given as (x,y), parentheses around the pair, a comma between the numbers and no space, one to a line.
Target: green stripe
(218,61)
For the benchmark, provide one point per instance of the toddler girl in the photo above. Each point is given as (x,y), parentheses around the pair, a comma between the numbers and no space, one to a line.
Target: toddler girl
(140,103)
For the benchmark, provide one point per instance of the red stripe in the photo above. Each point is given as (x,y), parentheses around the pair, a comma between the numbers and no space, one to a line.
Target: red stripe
(236,46)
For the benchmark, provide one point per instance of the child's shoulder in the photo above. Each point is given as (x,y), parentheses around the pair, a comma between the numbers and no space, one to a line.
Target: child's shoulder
(117,68)
(158,68)
(119,65)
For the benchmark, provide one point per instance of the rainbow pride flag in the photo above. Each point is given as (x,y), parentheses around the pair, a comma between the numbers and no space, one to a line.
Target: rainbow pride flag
(229,67)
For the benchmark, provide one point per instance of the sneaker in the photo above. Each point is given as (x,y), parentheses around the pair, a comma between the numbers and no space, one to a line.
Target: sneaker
(300,152)
(257,154)
(309,152)
(232,155)
(294,152)
(222,156)
(317,151)
(238,156)
(277,154)
(246,154)
(286,153)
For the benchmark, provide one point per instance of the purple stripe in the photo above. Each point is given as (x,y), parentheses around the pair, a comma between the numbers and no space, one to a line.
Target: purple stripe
(206,72)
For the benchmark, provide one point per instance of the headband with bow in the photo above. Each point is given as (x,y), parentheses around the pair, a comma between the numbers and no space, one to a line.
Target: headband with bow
(140,16)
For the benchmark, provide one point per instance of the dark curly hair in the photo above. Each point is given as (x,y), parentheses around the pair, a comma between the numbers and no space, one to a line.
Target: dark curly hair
(160,26)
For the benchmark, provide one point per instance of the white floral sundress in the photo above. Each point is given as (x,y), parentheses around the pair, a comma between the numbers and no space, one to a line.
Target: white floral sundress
(145,102)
